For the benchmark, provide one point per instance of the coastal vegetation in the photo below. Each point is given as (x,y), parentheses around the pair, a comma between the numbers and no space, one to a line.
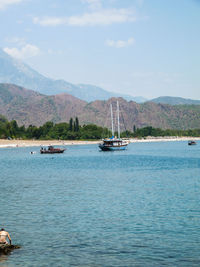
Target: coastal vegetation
(49,130)
(74,131)
(157,132)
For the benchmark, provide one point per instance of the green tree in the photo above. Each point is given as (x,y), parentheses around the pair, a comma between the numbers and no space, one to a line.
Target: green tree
(76,128)
(71,124)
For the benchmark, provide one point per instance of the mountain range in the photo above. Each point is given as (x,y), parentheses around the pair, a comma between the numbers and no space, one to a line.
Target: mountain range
(58,101)
(175,100)
(30,107)
(16,72)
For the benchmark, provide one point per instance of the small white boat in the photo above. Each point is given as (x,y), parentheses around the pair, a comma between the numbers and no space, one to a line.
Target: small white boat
(114,143)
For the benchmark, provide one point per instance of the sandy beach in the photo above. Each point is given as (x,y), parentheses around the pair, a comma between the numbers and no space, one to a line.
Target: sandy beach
(37,143)
(164,139)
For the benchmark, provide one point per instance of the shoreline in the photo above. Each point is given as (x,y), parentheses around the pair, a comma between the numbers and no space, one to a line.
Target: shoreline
(4,143)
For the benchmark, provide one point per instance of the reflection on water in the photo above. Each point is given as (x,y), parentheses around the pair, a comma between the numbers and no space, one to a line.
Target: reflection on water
(138,207)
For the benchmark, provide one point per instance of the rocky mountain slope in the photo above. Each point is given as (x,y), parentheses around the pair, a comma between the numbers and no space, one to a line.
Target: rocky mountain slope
(29,107)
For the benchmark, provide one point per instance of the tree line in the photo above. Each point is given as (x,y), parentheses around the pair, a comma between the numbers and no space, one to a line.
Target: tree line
(158,132)
(74,131)
(50,130)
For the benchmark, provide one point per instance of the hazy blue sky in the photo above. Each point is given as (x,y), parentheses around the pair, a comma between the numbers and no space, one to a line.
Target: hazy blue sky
(139,47)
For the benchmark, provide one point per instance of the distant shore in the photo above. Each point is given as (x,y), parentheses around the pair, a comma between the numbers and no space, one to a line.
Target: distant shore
(37,143)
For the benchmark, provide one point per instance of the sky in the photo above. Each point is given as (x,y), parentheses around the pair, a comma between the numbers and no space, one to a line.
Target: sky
(146,48)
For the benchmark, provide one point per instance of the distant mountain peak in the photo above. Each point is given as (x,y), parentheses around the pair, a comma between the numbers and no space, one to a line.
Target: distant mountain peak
(16,72)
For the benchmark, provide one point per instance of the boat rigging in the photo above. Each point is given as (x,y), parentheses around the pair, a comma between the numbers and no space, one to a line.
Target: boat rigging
(114,143)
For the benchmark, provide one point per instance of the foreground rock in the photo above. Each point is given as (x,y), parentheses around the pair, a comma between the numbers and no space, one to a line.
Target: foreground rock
(6,249)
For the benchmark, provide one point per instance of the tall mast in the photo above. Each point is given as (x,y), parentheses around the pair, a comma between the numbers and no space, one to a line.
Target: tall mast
(118,119)
(111,119)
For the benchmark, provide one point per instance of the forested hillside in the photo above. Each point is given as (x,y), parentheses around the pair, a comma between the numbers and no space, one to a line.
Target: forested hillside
(31,108)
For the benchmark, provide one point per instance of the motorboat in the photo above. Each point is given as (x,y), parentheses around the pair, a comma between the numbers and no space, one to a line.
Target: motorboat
(51,150)
(190,143)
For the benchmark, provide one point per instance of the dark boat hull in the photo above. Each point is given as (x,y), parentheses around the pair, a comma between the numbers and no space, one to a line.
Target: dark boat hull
(52,152)
(192,143)
(112,148)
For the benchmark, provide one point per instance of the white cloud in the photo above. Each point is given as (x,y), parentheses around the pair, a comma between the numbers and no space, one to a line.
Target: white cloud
(93,4)
(162,77)
(143,74)
(50,21)
(55,52)
(50,51)
(20,21)
(140,2)
(26,51)
(101,17)
(165,75)
(120,43)
(16,40)
(5,3)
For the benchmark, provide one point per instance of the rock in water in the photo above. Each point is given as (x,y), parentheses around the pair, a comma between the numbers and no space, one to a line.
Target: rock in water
(6,249)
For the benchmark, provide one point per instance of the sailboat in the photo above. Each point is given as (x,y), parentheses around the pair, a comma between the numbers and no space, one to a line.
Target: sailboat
(114,143)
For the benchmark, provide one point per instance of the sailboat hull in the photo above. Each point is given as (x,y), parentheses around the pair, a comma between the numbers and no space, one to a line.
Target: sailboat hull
(108,146)
(104,148)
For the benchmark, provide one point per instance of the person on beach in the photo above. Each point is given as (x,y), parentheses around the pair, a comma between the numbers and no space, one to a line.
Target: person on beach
(3,237)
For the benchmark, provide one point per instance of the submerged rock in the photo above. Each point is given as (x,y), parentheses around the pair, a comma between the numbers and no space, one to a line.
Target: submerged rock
(6,249)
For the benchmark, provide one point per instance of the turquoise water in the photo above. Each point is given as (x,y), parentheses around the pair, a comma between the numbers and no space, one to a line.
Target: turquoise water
(139,207)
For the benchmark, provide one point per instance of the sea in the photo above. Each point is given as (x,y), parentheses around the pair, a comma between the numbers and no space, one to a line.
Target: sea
(138,207)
